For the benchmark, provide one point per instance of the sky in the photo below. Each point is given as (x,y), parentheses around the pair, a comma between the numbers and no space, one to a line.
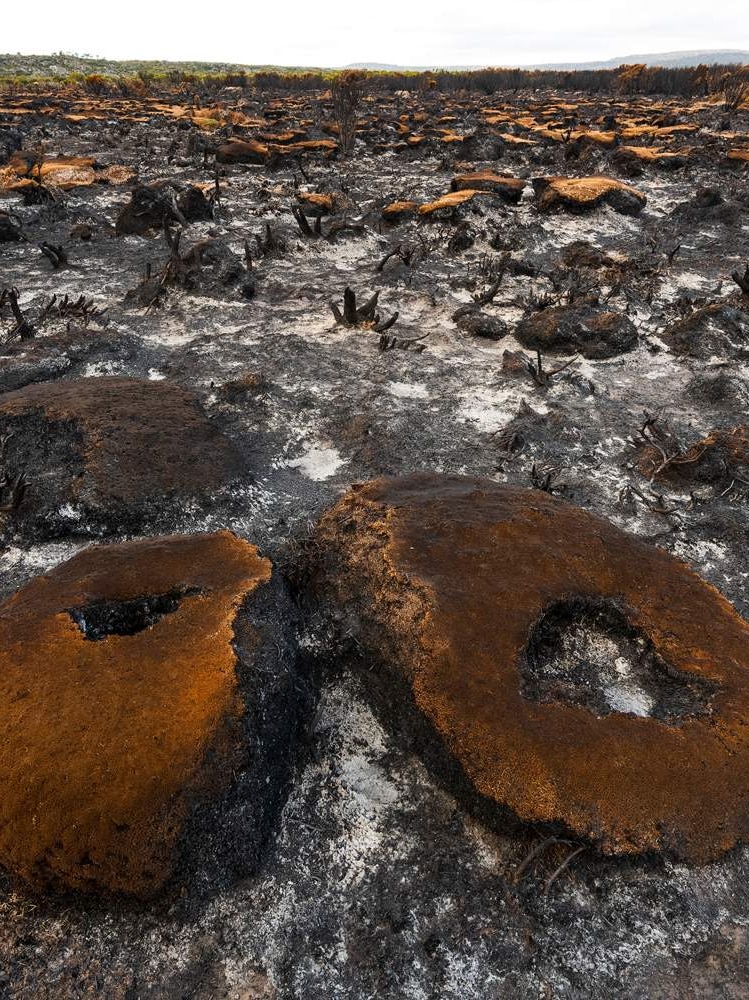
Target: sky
(403,32)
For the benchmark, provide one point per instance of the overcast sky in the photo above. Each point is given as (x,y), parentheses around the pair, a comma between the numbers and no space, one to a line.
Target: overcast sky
(405,32)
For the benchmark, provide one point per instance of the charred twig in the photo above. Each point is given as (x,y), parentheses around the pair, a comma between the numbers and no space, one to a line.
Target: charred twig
(542,377)
(365,315)
(544,845)
(388,343)
(14,486)
(656,505)
(386,324)
(408,255)
(302,171)
(662,440)
(367,311)
(336,227)
(487,296)
(565,864)
(57,256)
(349,307)
(742,280)
(267,242)
(545,479)
(82,309)
(22,328)
(301,221)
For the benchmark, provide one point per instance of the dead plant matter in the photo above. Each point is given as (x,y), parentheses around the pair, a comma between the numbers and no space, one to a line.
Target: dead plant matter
(347,91)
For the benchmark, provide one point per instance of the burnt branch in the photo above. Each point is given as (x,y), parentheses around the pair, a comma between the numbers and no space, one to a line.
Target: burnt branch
(742,280)
(57,256)
(22,328)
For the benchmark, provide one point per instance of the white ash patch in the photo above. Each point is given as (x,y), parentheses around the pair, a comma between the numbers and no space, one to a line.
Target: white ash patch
(705,555)
(408,390)
(103,369)
(489,408)
(39,558)
(319,462)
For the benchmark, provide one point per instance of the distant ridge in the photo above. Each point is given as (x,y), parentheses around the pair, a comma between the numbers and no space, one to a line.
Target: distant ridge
(60,65)
(666,59)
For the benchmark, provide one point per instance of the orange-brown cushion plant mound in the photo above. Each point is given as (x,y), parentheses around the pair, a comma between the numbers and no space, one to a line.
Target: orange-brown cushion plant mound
(510,188)
(584,193)
(240,151)
(723,455)
(124,706)
(449,201)
(471,594)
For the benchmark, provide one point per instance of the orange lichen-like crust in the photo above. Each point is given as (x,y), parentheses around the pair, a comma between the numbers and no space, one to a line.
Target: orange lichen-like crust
(585,193)
(106,744)
(316,204)
(398,210)
(449,201)
(656,154)
(448,576)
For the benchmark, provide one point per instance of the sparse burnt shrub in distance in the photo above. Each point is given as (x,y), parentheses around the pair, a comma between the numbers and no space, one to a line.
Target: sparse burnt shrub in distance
(347,90)
(734,88)
(96,84)
(630,78)
(267,81)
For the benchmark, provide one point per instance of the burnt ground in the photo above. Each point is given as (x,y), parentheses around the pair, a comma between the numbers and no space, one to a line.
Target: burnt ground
(376,882)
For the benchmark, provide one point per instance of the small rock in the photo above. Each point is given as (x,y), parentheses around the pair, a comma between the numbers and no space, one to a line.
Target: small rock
(478,324)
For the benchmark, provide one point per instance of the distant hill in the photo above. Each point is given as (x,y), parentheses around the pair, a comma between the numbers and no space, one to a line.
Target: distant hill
(61,65)
(707,57)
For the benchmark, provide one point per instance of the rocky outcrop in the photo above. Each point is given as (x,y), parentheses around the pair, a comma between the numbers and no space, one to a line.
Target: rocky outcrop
(136,701)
